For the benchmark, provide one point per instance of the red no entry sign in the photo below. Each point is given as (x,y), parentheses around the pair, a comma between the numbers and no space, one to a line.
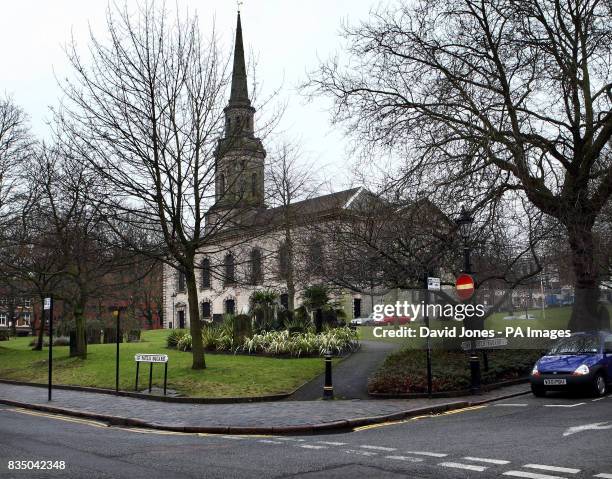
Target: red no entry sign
(465,286)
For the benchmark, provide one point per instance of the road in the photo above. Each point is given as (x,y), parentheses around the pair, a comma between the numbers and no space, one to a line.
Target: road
(537,438)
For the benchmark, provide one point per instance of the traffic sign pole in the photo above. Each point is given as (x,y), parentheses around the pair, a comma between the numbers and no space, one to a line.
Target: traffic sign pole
(430,283)
(48,305)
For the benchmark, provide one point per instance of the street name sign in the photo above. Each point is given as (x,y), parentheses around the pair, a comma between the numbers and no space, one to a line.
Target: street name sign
(433,284)
(484,343)
(151,358)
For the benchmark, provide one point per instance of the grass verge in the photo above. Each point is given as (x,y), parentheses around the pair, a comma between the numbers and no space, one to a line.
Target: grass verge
(226,375)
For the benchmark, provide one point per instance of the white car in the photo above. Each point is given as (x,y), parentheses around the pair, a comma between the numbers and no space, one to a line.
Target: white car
(368,321)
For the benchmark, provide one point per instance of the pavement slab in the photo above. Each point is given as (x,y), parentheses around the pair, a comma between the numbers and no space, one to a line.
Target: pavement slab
(241,418)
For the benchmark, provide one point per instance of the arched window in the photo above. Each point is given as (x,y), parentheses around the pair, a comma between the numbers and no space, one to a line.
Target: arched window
(230,269)
(181,281)
(254,184)
(230,306)
(242,189)
(206,309)
(315,257)
(256,269)
(222,185)
(205,267)
(283,261)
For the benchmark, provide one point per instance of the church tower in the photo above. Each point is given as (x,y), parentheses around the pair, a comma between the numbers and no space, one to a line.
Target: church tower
(239,157)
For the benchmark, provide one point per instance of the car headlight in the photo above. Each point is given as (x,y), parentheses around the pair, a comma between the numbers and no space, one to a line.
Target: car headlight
(581,370)
(534,371)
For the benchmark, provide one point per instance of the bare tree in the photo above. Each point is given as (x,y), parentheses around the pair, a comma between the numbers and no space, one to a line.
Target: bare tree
(16,145)
(490,97)
(290,179)
(144,113)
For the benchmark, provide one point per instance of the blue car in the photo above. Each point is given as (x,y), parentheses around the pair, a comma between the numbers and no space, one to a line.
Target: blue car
(581,362)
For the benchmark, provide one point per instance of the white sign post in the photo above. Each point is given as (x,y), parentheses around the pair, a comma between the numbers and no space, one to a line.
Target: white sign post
(151,358)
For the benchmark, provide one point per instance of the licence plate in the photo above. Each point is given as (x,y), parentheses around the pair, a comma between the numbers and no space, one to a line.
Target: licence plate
(555,382)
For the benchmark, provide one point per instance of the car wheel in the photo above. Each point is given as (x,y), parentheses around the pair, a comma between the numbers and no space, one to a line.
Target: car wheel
(599,385)
(538,392)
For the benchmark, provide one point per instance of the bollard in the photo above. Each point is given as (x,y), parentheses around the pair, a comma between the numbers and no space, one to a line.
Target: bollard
(475,373)
(328,389)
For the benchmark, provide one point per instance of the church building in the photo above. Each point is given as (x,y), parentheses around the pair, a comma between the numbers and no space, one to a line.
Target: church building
(254,243)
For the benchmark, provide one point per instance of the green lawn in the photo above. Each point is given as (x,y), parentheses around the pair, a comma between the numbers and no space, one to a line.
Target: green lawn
(226,375)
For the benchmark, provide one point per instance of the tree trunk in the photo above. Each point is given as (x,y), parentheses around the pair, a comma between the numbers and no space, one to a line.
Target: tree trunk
(195,327)
(41,330)
(587,313)
(81,333)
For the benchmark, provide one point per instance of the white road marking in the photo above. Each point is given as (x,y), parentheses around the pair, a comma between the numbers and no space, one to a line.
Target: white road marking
(311,446)
(458,465)
(565,405)
(269,441)
(603,476)
(587,427)
(289,439)
(426,453)
(233,437)
(379,448)
(598,399)
(512,404)
(405,458)
(360,453)
(487,460)
(552,468)
(531,475)
(332,443)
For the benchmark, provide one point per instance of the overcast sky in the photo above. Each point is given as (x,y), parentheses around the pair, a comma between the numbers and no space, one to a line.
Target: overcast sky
(286,37)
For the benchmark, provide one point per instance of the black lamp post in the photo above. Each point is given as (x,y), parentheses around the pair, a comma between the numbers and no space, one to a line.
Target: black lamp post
(464,224)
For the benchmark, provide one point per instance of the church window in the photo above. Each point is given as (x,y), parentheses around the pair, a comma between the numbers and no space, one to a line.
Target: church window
(205,266)
(222,184)
(283,261)
(230,269)
(206,309)
(254,184)
(181,281)
(256,269)
(315,257)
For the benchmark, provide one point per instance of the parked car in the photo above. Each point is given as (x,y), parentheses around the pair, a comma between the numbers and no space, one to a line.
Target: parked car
(581,362)
(367,321)
(390,320)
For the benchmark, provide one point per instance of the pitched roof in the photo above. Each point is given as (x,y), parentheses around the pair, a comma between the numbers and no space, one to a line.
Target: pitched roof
(317,206)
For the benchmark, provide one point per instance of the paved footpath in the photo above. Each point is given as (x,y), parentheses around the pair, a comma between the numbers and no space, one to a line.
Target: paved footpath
(350,377)
(263,417)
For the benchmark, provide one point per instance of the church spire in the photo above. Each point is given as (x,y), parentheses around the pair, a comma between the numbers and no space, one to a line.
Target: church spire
(239,93)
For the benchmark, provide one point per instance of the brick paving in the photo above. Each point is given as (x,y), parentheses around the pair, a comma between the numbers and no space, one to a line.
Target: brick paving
(266,414)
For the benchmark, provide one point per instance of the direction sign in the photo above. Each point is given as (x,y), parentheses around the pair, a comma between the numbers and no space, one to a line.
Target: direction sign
(151,358)
(433,284)
(484,343)
(464,286)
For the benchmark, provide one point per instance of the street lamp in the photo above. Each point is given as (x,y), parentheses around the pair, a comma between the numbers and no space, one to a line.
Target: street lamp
(464,223)
(173,307)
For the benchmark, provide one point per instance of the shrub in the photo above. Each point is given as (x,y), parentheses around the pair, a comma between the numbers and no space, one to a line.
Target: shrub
(174,337)
(338,341)
(184,344)
(405,371)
